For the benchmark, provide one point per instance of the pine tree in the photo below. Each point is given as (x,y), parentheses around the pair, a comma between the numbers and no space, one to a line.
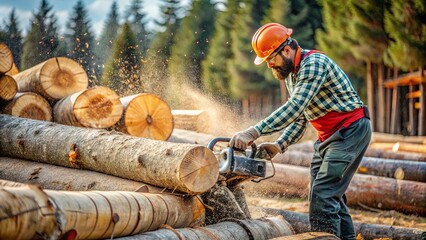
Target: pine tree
(216,76)
(197,28)
(103,49)
(137,20)
(80,40)
(13,38)
(123,69)
(246,78)
(42,41)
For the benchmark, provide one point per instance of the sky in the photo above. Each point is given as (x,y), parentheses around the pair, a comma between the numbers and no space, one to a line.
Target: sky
(97,11)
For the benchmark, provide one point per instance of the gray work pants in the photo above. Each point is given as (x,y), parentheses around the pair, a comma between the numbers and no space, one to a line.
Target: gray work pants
(334,163)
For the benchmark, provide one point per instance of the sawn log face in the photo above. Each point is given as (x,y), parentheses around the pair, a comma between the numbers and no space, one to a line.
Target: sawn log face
(185,167)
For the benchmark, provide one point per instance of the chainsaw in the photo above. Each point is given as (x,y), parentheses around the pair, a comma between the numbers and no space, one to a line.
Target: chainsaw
(238,165)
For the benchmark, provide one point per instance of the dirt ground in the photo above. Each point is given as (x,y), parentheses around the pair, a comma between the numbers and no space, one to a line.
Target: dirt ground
(372,216)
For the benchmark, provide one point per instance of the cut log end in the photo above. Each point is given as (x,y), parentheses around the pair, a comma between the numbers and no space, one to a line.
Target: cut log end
(6,58)
(99,107)
(61,77)
(148,116)
(196,169)
(8,87)
(29,105)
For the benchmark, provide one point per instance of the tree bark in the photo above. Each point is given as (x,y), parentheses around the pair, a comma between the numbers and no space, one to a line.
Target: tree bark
(8,88)
(402,170)
(146,115)
(54,79)
(6,58)
(61,178)
(300,223)
(192,120)
(98,107)
(238,229)
(29,105)
(183,167)
(28,212)
(372,191)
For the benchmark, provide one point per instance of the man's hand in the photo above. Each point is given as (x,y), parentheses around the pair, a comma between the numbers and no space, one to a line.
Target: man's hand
(271,148)
(241,140)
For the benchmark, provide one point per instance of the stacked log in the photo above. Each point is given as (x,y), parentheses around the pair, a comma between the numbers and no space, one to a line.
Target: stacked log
(266,228)
(8,88)
(402,170)
(29,105)
(62,178)
(54,79)
(28,212)
(187,168)
(146,115)
(300,223)
(364,190)
(192,120)
(6,58)
(97,107)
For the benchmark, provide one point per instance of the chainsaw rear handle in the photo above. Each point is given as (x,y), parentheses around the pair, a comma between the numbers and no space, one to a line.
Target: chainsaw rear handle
(213,142)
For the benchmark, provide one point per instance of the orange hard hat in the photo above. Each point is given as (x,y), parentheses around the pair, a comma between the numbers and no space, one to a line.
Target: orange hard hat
(268,38)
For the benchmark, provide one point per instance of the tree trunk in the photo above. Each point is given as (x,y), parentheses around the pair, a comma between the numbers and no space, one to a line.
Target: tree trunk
(29,105)
(395,155)
(385,137)
(6,58)
(402,170)
(61,178)
(184,167)
(54,79)
(400,146)
(8,88)
(309,236)
(28,212)
(372,191)
(370,94)
(146,115)
(98,107)
(192,120)
(300,223)
(422,111)
(232,229)
(381,99)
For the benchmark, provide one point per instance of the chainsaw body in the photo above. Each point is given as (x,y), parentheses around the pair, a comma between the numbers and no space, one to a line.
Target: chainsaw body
(238,164)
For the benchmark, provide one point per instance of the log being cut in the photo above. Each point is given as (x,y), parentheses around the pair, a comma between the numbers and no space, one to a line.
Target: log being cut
(187,168)
(97,107)
(29,105)
(28,212)
(230,229)
(146,115)
(6,58)
(8,88)
(54,79)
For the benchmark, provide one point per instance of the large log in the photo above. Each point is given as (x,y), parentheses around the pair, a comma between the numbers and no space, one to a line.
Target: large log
(395,155)
(54,79)
(98,107)
(403,170)
(61,178)
(364,190)
(6,58)
(399,146)
(393,138)
(8,88)
(300,223)
(255,229)
(146,115)
(28,212)
(183,167)
(29,105)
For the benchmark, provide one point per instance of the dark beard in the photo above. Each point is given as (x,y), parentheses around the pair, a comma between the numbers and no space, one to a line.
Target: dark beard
(282,72)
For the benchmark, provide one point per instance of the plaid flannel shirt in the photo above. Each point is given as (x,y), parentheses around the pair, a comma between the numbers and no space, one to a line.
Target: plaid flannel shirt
(320,86)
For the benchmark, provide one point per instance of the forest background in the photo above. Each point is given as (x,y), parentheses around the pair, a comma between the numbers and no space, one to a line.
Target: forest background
(205,48)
